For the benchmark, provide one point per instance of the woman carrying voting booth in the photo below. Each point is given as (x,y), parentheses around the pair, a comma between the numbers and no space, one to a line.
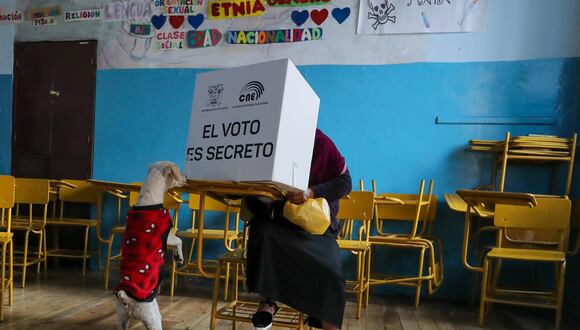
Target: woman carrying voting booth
(290,265)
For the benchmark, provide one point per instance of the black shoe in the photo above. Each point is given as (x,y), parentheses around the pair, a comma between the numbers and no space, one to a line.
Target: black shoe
(314,322)
(262,320)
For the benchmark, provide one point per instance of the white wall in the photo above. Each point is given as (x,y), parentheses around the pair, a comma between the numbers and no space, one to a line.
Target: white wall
(7,32)
(515,30)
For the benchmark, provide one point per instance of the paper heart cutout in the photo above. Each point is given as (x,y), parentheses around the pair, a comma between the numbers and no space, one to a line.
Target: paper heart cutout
(340,15)
(195,20)
(319,16)
(158,21)
(299,17)
(176,21)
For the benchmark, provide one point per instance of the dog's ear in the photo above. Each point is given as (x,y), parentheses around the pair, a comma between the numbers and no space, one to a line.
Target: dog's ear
(177,176)
(168,169)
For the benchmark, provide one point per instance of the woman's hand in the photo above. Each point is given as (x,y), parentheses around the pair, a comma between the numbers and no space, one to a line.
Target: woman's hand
(300,197)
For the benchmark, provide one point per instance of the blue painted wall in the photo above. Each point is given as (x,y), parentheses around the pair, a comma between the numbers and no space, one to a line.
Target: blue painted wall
(381,117)
(5,122)
(572,285)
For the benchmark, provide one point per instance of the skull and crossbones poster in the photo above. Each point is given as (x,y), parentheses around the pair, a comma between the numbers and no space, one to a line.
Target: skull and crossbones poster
(421,16)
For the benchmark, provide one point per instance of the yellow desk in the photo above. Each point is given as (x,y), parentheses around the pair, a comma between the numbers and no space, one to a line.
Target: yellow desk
(115,186)
(54,187)
(118,190)
(223,191)
(219,190)
(481,204)
(236,310)
(56,184)
(457,204)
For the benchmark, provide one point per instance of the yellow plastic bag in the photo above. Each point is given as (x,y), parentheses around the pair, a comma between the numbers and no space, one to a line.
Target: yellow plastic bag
(312,216)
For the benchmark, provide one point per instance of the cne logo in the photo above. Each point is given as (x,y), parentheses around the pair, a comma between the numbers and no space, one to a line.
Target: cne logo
(252,91)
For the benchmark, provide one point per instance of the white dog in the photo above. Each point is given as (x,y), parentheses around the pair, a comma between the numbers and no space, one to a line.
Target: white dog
(147,226)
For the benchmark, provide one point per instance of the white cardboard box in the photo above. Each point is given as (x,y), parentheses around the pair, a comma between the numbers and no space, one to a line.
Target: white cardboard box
(253,123)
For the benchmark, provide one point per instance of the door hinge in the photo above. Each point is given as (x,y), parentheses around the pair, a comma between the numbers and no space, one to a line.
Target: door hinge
(88,139)
(14,138)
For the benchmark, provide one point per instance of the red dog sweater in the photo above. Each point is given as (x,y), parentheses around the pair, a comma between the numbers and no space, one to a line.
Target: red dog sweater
(143,248)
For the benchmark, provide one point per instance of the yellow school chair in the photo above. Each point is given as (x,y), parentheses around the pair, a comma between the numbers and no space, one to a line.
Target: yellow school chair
(238,310)
(86,193)
(542,149)
(241,310)
(55,187)
(575,224)
(7,187)
(228,236)
(358,205)
(31,192)
(419,211)
(523,211)
(172,201)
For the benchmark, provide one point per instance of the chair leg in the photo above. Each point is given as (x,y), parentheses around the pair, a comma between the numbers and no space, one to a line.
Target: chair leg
(173,276)
(361,281)
(368,277)
(99,267)
(495,271)
(419,282)
(11,274)
(108,261)
(190,255)
(25,260)
(560,294)
(3,274)
(85,250)
(40,240)
(234,312)
(45,251)
(216,287)
(236,281)
(483,291)
(227,282)
(56,245)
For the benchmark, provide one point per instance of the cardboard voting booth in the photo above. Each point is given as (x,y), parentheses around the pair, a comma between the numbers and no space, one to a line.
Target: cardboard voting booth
(253,123)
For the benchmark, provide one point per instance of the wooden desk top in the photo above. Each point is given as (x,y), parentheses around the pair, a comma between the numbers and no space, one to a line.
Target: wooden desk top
(61,184)
(457,204)
(217,189)
(226,189)
(115,185)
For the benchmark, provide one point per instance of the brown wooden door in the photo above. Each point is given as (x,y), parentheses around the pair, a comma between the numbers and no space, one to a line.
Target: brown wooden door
(54,107)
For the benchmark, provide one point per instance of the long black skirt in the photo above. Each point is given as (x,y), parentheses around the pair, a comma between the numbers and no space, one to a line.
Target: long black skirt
(292,266)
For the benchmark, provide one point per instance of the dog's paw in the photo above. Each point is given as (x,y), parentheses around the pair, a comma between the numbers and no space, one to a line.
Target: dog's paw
(178,259)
